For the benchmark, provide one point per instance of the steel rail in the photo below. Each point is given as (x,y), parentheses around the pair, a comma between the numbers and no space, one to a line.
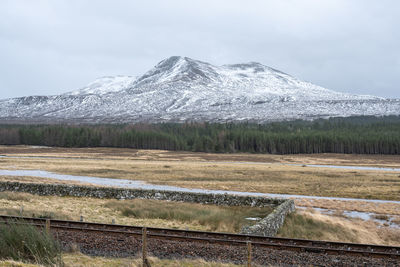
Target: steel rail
(301,245)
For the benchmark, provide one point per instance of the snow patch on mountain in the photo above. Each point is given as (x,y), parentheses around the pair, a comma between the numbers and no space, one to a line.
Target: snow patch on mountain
(105,85)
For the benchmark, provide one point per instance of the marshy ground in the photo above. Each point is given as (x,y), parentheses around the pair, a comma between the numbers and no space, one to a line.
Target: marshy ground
(237,172)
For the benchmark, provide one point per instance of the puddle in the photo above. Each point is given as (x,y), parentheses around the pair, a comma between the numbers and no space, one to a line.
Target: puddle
(365,216)
(379,218)
(253,219)
(365,168)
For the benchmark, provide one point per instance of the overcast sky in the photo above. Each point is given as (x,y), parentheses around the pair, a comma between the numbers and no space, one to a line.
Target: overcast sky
(51,47)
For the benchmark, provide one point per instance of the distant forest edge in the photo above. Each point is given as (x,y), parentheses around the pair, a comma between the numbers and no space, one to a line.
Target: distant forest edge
(357,135)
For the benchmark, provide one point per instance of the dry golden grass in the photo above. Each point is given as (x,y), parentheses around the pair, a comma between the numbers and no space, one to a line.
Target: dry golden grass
(311,224)
(11,263)
(80,260)
(39,180)
(219,171)
(164,155)
(397,220)
(153,213)
(216,218)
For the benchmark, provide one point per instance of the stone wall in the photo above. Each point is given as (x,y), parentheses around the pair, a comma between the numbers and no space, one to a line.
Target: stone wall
(270,225)
(267,226)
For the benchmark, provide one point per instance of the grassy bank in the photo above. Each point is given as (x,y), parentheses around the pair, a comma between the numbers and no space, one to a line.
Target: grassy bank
(313,225)
(154,213)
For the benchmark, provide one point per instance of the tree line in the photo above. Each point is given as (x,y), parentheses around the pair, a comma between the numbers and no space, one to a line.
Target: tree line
(356,135)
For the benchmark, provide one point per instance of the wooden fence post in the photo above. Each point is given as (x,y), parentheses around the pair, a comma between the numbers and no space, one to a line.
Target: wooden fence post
(248,253)
(144,248)
(48,226)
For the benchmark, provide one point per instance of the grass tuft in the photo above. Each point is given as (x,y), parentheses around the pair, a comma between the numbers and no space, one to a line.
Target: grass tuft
(304,227)
(15,196)
(27,243)
(43,214)
(381,217)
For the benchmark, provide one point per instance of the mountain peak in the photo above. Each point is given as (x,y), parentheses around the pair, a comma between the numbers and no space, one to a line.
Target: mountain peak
(179,61)
(170,62)
(177,68)
(180,89)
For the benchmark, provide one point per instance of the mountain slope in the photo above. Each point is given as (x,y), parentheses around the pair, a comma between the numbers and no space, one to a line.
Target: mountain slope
(105,85)
(180,89)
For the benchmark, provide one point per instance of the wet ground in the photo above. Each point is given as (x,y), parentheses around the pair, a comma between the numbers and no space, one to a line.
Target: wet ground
(137,184)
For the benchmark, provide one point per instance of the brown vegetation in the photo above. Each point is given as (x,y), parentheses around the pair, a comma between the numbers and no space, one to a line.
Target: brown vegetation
(216,171)
(80,260)
(164,155)
(154,213)
(311,224)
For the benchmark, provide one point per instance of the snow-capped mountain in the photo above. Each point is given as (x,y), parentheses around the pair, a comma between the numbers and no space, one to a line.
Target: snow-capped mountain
(183,89)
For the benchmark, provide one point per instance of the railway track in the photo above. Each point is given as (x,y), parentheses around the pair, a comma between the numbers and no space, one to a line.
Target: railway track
(276,243)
